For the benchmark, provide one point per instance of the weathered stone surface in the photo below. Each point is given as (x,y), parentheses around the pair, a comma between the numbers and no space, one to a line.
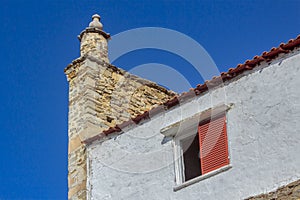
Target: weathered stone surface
(94,44)
(77,171)
(74,143)
(101,96)
(123,96)
(288,192)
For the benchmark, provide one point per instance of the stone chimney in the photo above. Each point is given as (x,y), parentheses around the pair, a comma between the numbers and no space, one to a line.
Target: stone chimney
(100,96)
(93,40)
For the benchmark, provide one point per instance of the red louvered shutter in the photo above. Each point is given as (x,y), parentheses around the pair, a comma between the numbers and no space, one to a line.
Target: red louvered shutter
(213,144)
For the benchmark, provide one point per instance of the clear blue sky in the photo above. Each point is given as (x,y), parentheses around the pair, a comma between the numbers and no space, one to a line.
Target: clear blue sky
(39,38)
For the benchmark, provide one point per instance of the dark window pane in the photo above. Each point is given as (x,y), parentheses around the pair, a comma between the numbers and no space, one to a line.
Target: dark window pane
(191,158)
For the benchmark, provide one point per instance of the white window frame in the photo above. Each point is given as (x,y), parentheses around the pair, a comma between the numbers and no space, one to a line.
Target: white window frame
(184,129)
(178,155)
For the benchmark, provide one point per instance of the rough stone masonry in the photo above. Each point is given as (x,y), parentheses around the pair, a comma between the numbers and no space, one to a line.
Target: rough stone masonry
(288,192)
(100,96)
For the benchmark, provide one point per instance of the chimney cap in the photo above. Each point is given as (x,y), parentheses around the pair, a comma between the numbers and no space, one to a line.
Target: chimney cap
(96,16)
(95,23)
(95,26)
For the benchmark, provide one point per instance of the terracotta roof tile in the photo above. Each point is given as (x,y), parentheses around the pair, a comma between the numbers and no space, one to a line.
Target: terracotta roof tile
(266,56)
(157,109)
(141,117)
(172,102)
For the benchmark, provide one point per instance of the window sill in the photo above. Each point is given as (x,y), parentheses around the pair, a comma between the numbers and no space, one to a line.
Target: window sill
(200,178)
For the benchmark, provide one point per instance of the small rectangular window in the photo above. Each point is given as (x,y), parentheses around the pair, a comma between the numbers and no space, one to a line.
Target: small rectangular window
(202,151)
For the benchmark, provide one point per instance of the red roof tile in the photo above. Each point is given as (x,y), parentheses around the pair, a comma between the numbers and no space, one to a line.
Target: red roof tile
(201,88)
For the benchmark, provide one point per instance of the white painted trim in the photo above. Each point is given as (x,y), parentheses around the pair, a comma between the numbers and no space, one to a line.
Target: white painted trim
(176,129)
(200,178)
(228,141)
(177,162)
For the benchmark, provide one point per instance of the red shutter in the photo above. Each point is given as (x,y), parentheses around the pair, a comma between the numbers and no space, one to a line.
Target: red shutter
(213,144)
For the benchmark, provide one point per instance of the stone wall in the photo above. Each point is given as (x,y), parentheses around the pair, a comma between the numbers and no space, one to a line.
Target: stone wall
(101,96)
(288,192)
(94,44)
(122,96)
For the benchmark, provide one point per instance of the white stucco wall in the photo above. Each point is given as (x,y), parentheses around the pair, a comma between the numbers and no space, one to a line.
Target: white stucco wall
(264,143)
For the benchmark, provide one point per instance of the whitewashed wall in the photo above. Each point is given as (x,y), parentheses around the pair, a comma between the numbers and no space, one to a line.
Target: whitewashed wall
(264,143)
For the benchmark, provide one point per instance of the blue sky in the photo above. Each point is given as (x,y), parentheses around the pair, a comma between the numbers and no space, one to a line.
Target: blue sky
(39,38)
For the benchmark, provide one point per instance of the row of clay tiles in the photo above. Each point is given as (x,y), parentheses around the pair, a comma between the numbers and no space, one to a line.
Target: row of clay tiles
(201,88)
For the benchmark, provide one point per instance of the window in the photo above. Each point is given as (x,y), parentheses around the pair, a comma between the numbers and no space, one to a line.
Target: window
(201,151)
(200,145)
(206,150)
(191,159)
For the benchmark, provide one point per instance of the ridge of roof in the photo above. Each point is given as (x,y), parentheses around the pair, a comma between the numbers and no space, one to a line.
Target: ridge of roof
(248,65)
